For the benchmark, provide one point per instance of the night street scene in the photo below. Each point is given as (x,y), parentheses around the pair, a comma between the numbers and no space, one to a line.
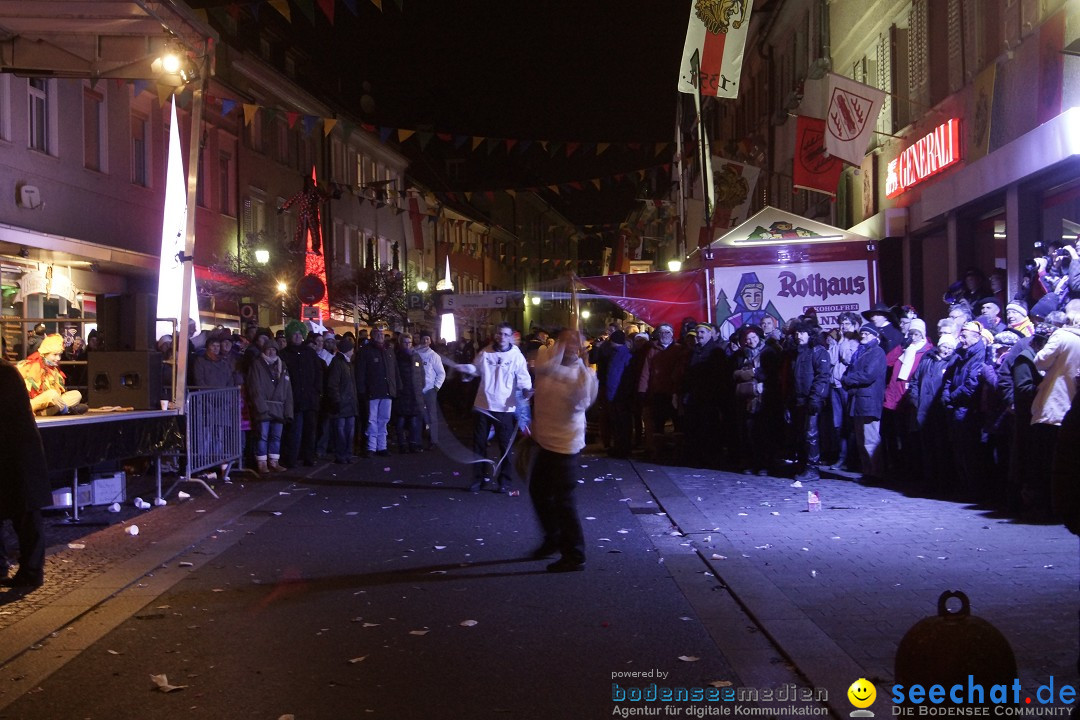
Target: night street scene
(411,359)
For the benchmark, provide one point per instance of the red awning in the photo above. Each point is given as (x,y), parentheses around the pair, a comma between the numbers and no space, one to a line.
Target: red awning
(656,297)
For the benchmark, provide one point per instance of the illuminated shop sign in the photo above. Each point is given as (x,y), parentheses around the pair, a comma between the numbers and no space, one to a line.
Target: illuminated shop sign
(928,156)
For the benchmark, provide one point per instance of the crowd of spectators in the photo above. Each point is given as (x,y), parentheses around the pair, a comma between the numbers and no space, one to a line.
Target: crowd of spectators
(970,407)
(311,395)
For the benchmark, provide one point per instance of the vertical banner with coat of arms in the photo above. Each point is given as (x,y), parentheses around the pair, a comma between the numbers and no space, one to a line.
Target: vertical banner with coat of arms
(734,184)
(814,170)
(850,117)
(713,52)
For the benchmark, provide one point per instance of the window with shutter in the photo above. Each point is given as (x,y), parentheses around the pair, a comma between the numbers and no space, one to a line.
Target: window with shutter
(883,81)
(918,54)
(957,22)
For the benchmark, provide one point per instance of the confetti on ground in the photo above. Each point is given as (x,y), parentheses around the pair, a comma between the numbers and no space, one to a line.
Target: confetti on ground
(468,623)
(77,546)
(419,632)
(440,547)
(689,658)
(721,683)
(187,564)
(357,659)
(163,684)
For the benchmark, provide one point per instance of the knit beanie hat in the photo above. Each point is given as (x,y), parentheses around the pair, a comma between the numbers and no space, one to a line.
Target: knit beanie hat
(1017,305)
(870,328)
(295,326)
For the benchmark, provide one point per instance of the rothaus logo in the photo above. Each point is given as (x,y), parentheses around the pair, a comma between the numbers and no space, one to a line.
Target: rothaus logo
(820,286)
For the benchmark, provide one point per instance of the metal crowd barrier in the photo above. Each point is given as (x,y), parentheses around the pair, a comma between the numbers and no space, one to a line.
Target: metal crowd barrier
(212,437)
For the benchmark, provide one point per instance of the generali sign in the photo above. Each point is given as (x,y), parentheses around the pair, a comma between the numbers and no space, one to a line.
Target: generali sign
(928,156)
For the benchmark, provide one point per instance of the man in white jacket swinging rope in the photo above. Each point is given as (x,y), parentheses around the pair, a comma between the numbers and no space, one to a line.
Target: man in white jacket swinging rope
(502,370)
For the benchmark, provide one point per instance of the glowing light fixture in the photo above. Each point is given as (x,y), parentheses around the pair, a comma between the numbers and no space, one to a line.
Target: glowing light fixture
(282,287)
(422,285)
(674,265)
(262,256)
(535,299)
(585,314)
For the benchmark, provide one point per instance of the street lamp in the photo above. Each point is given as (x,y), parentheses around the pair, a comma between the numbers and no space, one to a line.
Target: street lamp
(674,265)
(535,300)
(422,285)
(282,287)
(262,256)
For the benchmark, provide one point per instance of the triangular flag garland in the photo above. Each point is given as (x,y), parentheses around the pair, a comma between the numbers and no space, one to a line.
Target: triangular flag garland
(554,148)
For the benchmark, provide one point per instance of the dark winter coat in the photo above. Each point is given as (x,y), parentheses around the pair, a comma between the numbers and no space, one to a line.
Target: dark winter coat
(306,370)
(340,398)
(890,337)
(212,373)
(924,390)
(375,370)
(960,394)
(410,369)
(24,481)
(811,371)
(270,398)
(701,379)
(1025,384)
(618,360)
(865,381)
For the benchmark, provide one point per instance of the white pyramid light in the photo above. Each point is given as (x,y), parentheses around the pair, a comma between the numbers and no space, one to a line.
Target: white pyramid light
(173,243)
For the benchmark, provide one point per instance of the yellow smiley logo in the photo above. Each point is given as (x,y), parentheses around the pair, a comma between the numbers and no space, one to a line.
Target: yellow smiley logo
(862,693)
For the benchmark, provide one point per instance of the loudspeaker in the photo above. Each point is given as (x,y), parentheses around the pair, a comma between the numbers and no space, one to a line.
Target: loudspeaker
(127,379)
(128,322)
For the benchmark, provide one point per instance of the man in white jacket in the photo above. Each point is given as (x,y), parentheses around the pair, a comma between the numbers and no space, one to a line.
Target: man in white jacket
(434,376)
(502,370)
(565,388)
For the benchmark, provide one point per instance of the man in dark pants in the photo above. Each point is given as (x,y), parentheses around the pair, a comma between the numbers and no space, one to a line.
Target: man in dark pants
(502,371)
(24,482)
(565,389)
(306,376)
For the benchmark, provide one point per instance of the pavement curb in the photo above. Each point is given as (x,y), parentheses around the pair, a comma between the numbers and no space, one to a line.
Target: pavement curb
(816,656)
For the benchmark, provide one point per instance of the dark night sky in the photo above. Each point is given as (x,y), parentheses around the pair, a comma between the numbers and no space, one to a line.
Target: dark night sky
(559,70)
(589,70)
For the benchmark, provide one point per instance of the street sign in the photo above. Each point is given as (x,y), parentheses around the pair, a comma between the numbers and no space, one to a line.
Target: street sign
(414,301)
(463,301)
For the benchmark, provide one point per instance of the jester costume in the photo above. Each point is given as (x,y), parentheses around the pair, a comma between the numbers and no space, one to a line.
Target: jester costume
(307,201)
(45,381)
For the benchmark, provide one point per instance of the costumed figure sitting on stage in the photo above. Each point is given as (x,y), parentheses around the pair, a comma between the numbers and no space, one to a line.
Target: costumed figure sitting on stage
(309,199)
(45,381)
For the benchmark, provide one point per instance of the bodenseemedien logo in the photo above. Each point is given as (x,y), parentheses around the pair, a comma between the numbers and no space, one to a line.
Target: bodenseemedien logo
(861,694)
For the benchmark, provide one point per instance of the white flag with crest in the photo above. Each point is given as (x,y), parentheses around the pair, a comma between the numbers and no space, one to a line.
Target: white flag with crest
(850,117)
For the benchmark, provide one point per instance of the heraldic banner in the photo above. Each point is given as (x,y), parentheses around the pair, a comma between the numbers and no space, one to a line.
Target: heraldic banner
(734,184)
(850,118)
(713,51)
(814,170)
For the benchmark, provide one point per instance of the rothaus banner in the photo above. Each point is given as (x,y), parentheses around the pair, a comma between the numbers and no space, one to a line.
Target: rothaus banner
(770,295)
